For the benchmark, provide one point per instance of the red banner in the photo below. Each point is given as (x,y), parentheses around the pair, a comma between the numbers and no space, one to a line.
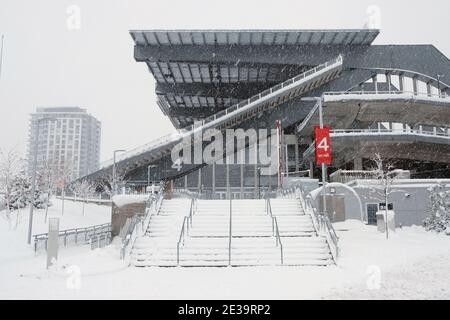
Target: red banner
(322,146)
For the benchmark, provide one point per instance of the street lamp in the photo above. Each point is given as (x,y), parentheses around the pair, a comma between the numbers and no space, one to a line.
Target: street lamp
(33,173)
(114,170)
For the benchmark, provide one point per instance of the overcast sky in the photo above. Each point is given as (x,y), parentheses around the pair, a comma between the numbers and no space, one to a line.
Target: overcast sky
(46,64)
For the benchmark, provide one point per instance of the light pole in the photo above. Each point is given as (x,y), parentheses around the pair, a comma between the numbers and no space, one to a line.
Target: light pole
(33,174)
(319,100)
(114,187)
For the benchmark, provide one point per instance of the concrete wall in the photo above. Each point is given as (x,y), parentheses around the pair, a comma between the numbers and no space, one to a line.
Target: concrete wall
(119,215)
(409,210)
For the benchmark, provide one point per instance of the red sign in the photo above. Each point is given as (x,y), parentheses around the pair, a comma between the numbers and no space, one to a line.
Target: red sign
(322,146)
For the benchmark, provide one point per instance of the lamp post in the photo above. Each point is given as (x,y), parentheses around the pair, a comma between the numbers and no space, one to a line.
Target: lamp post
(114,171)
(33,174)
(148,173)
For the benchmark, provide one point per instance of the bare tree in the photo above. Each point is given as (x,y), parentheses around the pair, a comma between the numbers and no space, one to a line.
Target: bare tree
(48,182)
(63,178)
(384,172)
(84,189)
(107,184)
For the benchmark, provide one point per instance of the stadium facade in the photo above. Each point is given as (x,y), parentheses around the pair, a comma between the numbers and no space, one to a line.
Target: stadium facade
(386,99)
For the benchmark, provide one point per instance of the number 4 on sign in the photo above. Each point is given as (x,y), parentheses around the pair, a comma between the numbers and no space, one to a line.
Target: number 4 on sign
(177,165)
(323,144)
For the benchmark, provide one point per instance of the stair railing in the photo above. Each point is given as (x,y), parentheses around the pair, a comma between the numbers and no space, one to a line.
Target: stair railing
(321,222)
(136,229)
(181,238)
(230,233)
(269,213)
(278,238)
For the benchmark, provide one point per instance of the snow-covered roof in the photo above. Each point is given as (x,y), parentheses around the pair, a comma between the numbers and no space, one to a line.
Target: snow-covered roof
(255,37)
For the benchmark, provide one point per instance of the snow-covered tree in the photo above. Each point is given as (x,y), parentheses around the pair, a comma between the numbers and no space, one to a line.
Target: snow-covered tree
(107,184)
(47,182)
(15,186)
(83,189)
(10,166)
(438,209)
(63,177)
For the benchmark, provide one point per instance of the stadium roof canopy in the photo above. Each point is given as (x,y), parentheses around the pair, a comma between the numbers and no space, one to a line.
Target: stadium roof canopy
(255,37)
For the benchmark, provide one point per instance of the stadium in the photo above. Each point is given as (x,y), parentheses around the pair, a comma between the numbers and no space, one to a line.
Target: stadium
(390,99)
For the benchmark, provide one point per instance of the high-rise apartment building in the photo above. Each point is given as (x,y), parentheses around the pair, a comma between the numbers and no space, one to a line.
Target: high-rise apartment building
(69,140)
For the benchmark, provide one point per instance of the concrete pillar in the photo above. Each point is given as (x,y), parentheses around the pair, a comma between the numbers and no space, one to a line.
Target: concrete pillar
(185,182)
(358,164)
(228,181)
(389,82)
(415,85)
(242,181)
(199,179)
(297,168)
(429,89)
(214,178)
(401,81)
(375,83)
(311,169)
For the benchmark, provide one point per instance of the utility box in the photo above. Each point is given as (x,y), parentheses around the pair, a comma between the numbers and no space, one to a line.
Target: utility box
(381,224)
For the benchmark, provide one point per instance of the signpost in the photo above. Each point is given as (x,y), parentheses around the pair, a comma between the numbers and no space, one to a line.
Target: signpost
(52,241)
(322,151)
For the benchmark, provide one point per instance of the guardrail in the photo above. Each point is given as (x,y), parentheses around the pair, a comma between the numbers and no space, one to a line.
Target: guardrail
(379,132)
(241,105)
(85,234)
(392,92)
(338,132)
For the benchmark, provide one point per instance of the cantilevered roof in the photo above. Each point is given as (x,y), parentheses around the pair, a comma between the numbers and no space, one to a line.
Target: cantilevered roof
(254,37)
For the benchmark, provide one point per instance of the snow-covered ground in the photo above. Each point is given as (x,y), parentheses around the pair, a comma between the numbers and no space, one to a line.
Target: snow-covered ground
(413,264)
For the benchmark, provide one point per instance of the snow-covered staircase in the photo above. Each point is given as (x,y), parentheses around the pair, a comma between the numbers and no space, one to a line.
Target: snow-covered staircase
(253,238)
(159,245)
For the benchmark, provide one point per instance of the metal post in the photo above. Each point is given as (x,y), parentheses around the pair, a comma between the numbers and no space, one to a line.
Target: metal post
(324,169)
(33,181)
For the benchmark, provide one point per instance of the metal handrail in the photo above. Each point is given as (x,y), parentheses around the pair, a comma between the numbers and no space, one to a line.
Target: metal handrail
(278,238)
(322,223)
(269,213)
(97,230)
(374,132)
(181,238)
(392,92)
(393,131)
(153,207)
(230,233)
